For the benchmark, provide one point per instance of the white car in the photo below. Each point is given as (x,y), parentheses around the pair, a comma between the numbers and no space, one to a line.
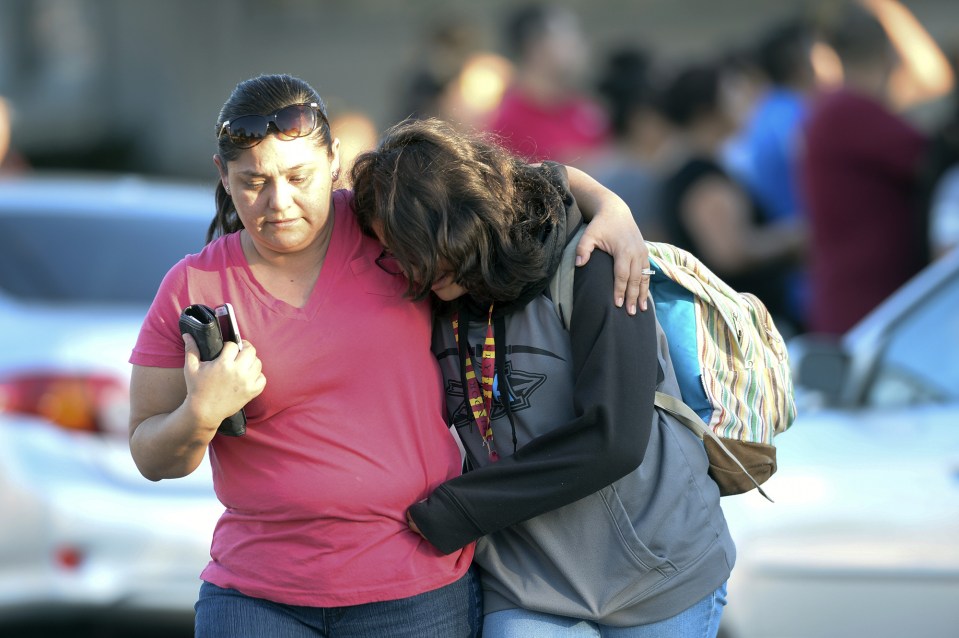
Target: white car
(82,533)
(863,539)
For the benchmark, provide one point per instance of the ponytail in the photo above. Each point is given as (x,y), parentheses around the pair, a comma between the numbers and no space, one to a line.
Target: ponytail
(226,220)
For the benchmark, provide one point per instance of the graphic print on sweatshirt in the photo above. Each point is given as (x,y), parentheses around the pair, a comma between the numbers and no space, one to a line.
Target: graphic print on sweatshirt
(522,385)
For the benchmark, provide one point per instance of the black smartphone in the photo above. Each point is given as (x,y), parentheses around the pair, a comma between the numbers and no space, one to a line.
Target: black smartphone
(229,329)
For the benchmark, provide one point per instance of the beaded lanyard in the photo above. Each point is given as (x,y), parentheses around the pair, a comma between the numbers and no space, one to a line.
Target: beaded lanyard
(481,402)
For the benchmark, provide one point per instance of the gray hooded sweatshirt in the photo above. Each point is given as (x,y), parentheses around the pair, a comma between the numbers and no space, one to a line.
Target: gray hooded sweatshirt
(600,506)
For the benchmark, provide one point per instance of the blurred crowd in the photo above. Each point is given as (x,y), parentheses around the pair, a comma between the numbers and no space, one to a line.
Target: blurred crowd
(803,164)
(800,165)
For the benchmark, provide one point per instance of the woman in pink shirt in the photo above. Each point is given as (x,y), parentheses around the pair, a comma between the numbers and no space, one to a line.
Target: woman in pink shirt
(342,394)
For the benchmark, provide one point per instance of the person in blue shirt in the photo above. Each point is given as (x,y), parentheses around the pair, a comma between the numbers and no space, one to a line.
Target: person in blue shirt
(768,147)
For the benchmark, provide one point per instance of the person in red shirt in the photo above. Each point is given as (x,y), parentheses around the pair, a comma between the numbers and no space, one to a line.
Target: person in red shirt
(544,114)
(860,172)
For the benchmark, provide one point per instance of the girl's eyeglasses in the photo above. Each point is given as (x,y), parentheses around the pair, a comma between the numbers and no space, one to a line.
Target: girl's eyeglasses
(388,263)
(290,122)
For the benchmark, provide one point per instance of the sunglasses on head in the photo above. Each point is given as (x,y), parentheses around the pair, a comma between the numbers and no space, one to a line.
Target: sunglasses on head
(290,122)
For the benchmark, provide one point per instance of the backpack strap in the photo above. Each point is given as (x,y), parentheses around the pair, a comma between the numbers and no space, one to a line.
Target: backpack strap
(561,283)
(685,415)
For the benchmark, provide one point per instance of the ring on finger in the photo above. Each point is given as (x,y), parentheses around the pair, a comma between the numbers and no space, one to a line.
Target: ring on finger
(648,272)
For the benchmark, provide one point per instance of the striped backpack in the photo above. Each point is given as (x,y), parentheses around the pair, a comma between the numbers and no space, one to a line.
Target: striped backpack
(729,359)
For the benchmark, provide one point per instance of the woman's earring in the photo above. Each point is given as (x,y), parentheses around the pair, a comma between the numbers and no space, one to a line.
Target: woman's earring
(336,174)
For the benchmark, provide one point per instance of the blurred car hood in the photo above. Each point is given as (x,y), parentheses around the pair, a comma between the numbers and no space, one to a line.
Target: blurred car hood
(109,334)
(839,483)
(44,456)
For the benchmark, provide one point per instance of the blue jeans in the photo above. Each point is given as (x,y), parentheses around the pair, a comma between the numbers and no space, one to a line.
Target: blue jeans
(454,611)
(699,621)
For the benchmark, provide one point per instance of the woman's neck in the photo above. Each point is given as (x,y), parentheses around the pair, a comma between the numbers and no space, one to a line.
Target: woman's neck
(289,277)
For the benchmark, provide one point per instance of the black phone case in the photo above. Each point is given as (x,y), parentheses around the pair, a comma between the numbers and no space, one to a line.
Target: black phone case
(199,321)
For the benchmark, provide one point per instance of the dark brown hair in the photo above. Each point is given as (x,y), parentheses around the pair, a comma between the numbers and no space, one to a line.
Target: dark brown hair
(261,95)
(440,195)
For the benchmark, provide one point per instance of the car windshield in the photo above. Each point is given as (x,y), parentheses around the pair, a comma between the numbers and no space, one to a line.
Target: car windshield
(92,258)
(919,363)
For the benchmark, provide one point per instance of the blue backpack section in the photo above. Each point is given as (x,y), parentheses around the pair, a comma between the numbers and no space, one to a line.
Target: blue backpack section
(676,312)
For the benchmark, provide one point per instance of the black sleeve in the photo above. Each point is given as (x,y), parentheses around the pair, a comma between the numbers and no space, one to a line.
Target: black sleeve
(616,372)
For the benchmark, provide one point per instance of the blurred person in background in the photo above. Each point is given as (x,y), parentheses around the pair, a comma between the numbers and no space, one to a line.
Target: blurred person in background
(546,113)
(744,84)
(4,134)
(769,144)
(453,77)
(11,161)
(640,136)
(594,512)
(922,72)
(424,89)
(860,170)
(771,135)
(940,180)
(357,133)
(944,213)
(341,391)
(707,211)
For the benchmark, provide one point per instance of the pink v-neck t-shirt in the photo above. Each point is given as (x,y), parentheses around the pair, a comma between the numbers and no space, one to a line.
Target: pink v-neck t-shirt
(348,433)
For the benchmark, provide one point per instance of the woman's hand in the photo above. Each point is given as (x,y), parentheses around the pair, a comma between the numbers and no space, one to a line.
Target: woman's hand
(630,258)
(413,527)
(613,230)
(174,414)
(221,387)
